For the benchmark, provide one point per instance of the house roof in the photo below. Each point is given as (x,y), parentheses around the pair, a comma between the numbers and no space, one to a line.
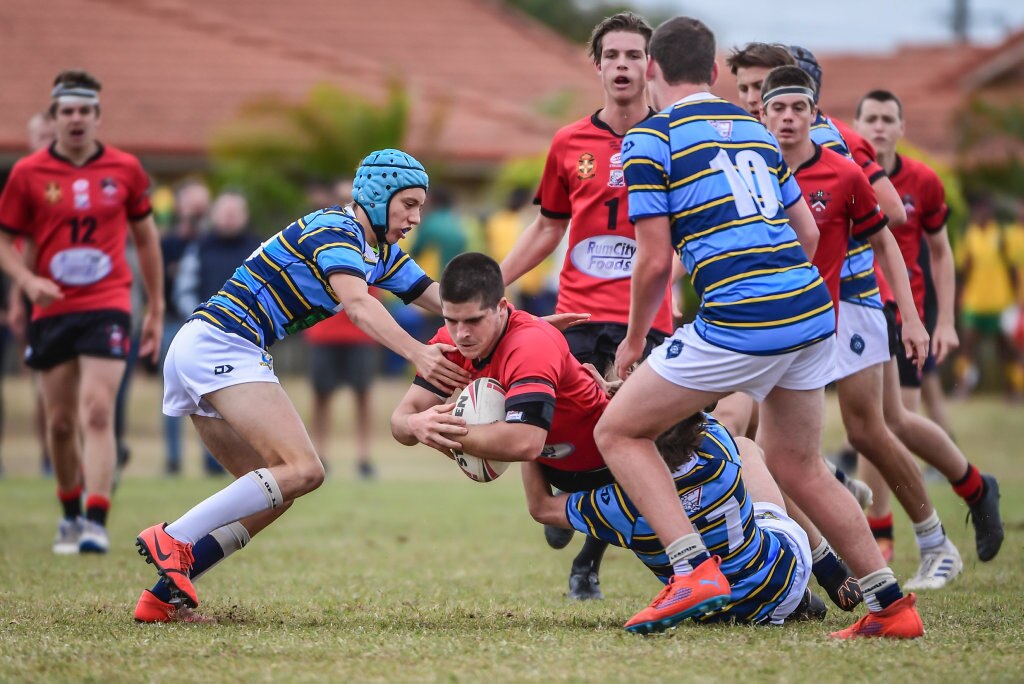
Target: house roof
(175,70)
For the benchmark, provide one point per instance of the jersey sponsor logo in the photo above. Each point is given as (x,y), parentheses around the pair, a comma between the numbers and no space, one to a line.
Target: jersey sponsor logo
(616,179)
(80,266)
(604,256)
(819,200)
(558,451)
(616,161)
(723,128)
(691,500)
(52,192)
(586,167)
(857,344)
(81,189)
(675,348)
(223,369)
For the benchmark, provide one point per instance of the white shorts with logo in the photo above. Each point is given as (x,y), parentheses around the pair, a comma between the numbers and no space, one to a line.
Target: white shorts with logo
(203,358)
(862,339)
(786,530)
(687,360)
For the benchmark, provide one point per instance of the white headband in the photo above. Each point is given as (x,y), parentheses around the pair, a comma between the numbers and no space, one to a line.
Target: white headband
(72,95)
(786,90)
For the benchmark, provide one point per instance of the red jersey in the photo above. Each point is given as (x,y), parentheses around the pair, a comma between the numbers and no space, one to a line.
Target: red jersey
(545,386)
(862,151)
(338,329)
(78,218)
(843,205)
(924,198)
(583,181)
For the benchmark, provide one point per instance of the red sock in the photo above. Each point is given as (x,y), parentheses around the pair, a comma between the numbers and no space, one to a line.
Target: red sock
(970,487)
(71,501)
(881,528)
(96,507)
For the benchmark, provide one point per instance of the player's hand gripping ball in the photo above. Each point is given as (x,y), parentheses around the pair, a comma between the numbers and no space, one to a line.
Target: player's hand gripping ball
(482,402)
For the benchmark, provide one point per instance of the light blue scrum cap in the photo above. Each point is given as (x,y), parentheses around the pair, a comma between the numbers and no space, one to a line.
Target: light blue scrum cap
(379,176)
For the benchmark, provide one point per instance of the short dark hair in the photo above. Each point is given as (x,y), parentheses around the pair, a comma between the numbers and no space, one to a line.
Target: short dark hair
(623,21)
(678,444)
(472,276)
(880,96)
(767,55)
(787,76)
(684,48)
(76,78)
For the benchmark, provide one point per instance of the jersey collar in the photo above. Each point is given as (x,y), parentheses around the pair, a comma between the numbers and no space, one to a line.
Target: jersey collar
(897,167)
(812,161)
(61,158)
(696,97)
(595,119)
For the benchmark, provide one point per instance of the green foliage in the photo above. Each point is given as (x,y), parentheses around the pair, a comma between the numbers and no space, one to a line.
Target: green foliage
(984,122)
(521,172)
(274,149)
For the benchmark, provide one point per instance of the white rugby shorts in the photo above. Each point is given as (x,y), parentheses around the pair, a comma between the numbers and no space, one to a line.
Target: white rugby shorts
(862,339)
(203,358)
(687,360)
(774,520)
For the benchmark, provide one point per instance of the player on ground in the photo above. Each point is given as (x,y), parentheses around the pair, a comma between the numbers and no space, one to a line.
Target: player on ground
(583,191)
(844,207)
(880,119)
(76,202)
(708,181)
(218,370)
(551,407)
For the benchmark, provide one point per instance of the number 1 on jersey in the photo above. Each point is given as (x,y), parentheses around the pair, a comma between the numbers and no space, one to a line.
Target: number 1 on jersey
(613,213)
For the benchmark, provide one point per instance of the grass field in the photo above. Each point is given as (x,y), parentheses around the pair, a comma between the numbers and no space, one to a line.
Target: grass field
(426,576)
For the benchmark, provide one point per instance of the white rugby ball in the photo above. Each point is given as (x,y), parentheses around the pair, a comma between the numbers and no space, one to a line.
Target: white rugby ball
(482,402)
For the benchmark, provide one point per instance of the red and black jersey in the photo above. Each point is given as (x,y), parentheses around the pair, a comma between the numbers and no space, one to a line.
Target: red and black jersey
(583,181)
(78,218)
(924,198)
(843,205)
(862,151)
(545,386)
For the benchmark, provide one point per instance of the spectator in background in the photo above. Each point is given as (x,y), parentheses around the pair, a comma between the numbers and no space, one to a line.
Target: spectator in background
(209,261)
(341,355)
(441,237)
(987,271)
(192,202)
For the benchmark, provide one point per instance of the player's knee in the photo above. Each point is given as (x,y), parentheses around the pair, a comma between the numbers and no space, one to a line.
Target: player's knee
(61,426)
(97,416)
(311,476)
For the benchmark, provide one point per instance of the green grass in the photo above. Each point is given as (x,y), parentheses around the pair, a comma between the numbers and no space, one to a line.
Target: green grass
(424,575)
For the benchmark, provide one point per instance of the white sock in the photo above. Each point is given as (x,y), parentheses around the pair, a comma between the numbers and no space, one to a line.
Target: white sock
(685,549)
(929,532)
(820,551)
(231,538)
(256,491)
(878,586)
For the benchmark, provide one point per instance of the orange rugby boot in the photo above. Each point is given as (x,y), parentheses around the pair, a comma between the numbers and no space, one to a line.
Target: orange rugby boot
(899,621)
(150,609)
(172,558)
(703,591)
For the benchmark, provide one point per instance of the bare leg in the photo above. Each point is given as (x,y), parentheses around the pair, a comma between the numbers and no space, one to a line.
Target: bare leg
(97,394)
(58,388)
(935,401)
(735,412)
(320,425)
(364,425)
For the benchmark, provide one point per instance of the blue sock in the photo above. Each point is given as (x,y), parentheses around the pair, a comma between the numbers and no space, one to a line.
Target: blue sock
(827,568)
(207,553)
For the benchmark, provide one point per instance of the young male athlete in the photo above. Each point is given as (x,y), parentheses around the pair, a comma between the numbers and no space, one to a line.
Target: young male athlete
(551,405)
(76,202)
(707,181)
(845,208)
(583,191)
(219,372)
(880,119)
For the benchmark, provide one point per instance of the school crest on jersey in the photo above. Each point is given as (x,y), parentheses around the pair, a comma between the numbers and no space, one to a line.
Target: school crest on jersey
(723,128)
(616,179)
(691,500)
(819,200)
(52,192)
(586,167)
(908,203)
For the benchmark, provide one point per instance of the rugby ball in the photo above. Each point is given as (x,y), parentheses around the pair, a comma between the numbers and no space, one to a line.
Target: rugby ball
(482,402)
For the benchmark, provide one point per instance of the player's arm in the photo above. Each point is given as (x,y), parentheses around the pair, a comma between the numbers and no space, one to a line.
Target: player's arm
(422,417)
(889,200)
(151,266)
(40,291)
(802,221)
(545,507)
(370,316)
(503,441)
(945,339)
(537,242)
(890,259)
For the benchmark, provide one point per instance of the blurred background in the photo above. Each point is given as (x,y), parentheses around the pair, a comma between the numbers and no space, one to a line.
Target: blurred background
(248,113)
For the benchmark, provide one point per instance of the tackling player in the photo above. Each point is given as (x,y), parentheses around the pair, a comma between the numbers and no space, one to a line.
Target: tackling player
(219,372)
(76,202)
(707,181)
(880,119)
(551,406)
(583,190)
(844,207)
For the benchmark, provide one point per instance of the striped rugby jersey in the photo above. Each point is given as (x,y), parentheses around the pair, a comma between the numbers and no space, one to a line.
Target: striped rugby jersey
(719,177)
(760,567)
(857,281)
(283,287)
